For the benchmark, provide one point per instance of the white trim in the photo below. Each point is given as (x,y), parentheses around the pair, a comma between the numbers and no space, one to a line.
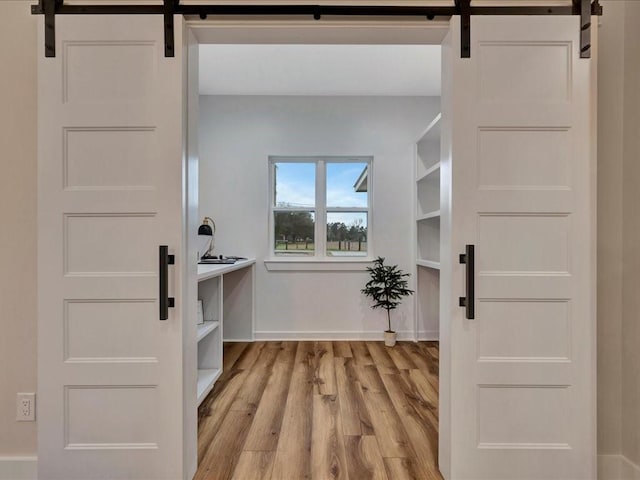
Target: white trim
(358,335)
(628,469)
(429,336)
(617,467)
(320,208)
(19,468)
(306,264)
(320,234)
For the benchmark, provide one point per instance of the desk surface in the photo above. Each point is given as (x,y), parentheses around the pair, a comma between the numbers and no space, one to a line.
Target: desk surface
(215,270)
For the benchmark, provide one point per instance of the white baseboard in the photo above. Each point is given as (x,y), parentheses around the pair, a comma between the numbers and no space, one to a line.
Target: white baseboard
(359,335)
(19,468)
(629,470)
(429,336)
(617,467)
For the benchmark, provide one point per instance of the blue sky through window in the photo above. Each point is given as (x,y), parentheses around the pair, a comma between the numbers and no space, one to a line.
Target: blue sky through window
(341,178)
(295,184)
(295,187)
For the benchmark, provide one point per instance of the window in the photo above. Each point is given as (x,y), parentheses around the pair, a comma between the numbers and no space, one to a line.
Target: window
(320,207)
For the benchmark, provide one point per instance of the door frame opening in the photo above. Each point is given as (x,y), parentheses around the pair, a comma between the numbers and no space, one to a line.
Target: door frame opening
(334,31)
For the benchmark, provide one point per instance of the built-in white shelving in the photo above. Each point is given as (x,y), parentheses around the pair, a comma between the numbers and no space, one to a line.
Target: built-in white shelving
(206,328)
(237,308)
(430,172)
(206,379)
(427,215)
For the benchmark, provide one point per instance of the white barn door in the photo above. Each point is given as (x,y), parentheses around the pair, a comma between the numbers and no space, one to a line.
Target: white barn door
(519,184)
(110,192)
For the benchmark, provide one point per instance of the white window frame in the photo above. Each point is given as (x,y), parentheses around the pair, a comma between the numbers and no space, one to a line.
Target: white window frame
(320,260)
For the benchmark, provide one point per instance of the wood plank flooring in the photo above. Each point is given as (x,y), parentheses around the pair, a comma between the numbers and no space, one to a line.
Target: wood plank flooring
(322,410)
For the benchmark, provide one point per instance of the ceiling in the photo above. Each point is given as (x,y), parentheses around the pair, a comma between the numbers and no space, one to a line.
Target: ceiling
(384,70)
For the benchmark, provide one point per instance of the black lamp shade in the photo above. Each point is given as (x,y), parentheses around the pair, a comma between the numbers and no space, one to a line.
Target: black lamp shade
(205,229)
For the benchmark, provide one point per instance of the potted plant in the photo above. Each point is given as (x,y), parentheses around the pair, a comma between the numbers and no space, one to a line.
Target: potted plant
(386,287)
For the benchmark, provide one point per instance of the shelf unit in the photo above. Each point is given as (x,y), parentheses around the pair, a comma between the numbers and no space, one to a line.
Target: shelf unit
(429,215)
(427,231)
(427,196)
(232,312)
(209,336)
(206,328)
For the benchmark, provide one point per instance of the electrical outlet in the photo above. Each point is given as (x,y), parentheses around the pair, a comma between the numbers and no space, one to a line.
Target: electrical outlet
(26,407)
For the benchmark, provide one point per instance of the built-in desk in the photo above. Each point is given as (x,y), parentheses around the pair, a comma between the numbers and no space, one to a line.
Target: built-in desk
(227,293)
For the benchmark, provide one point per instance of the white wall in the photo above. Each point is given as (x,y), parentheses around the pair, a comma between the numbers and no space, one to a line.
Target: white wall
(610,109)
(631,238)
(17,224)
(237,135)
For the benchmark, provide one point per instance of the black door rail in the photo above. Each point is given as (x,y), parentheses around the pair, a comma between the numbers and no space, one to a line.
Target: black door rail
(50,8)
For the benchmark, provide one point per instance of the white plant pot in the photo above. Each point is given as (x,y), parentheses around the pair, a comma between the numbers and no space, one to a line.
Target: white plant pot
(390,338)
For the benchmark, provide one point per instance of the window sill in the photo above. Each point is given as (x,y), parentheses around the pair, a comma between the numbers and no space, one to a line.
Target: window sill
(326,265)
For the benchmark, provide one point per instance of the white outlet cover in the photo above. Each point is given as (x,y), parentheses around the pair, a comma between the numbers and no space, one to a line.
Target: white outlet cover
(26,407)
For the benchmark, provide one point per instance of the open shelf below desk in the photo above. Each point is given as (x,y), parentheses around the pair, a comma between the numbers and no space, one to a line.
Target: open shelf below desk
(206,328)
(227,292)
(206,379)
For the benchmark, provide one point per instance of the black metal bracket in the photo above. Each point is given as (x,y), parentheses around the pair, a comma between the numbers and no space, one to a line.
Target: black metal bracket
(464,6)
(169,8)
(49,8)
(585,27)
(169,35)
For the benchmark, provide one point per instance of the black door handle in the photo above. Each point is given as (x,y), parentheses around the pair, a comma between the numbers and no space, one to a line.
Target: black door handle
(166,301)
(468,259)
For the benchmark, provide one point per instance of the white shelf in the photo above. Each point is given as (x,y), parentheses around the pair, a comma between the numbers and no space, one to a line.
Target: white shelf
(428,179)
(206,379)
(432,131)
(428,264)
(206,328)
(429,215)
(435,169)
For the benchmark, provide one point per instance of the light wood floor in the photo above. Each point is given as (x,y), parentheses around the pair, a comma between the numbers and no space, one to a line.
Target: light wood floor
(322,410)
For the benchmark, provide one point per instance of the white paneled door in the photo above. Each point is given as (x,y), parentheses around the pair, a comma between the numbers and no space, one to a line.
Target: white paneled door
(110,192)
(519,185)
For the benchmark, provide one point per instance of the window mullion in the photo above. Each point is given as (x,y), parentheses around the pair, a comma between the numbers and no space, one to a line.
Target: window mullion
(321,209)
(272,204)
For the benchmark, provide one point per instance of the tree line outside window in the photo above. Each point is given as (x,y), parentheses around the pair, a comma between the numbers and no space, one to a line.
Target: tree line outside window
(295,231)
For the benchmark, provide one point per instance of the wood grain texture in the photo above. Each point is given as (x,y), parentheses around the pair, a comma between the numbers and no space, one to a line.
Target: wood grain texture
(224,451)
(254,466)
(401,358)
(250,393)
(361,353)
(416,354)
(364,459)
(328,460)
(417,419)
(293,455)
(322,410)
(324,372)
(342,350)
(381,358)
(215,408)
(355,415)
(403,469)
(265,430)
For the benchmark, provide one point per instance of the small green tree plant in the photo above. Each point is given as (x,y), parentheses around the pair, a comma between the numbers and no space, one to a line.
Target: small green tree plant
(386,287)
